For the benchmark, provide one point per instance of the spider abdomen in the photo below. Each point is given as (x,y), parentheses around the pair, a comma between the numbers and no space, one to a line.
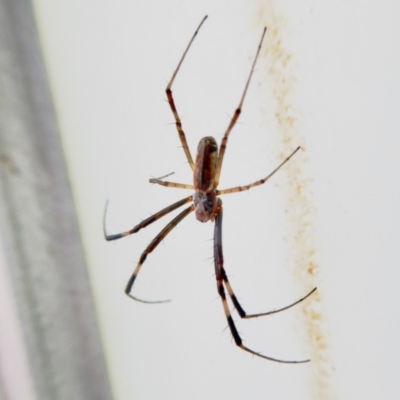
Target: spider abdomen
(206,165)
(205,198)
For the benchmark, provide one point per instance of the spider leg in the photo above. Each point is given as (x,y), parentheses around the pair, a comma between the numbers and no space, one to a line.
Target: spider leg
(235,116)
(154,243)
(146,222)
(259,182)
(171,102)
(171,184)
(164,176)
(222,280)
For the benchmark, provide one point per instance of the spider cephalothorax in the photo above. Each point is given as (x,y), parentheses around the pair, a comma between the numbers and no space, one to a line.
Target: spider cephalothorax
(205,205)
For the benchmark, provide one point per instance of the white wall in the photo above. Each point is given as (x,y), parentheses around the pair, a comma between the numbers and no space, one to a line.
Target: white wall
(327,79)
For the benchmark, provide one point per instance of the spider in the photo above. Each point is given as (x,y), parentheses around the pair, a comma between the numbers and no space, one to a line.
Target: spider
(206,205)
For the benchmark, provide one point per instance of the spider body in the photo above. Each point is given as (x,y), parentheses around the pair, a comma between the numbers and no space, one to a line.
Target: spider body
(206,205)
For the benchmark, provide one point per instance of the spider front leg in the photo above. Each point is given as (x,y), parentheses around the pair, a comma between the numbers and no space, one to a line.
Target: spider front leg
(171,102)
(235,117)
(222,280)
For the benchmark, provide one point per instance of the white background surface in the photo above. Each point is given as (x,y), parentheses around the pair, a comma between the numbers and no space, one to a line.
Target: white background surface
(327,79)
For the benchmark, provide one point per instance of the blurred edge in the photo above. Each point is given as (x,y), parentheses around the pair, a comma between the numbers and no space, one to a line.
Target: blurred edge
(49,303)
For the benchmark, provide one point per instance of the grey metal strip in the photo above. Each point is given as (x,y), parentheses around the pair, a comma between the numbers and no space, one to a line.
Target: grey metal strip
(38,228)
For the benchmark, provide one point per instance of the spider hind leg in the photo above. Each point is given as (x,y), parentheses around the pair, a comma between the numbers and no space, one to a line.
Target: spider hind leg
(222,282)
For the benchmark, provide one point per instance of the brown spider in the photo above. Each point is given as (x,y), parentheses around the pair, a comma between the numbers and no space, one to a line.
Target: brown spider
(206,204)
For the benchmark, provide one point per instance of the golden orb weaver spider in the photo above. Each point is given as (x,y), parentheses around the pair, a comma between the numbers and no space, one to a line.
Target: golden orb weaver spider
(206,204)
